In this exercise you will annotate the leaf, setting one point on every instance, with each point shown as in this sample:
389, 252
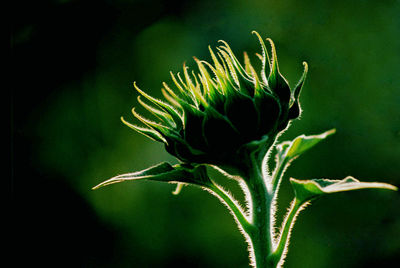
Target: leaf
302, 143
289, 150
164, 172
306, 190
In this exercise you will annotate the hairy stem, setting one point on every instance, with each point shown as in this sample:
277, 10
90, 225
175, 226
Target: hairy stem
279, 253
261, 237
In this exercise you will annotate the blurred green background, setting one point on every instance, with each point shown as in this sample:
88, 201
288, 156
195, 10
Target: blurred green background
74, 63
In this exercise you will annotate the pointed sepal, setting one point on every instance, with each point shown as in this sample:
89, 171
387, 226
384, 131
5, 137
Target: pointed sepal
295, 110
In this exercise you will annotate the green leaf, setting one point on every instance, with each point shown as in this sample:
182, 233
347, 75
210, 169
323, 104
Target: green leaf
289, 150
306, 190
302, 143
164, 172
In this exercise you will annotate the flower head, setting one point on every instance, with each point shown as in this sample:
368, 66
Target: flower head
211, 115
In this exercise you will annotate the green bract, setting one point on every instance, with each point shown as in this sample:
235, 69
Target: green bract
209, 116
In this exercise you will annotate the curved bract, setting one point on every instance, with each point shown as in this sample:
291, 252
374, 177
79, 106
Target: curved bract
210, 115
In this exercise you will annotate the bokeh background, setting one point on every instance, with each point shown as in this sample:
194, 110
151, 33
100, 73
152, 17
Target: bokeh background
74, 63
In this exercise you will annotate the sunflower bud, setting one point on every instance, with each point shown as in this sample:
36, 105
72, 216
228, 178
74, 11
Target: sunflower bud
212, 114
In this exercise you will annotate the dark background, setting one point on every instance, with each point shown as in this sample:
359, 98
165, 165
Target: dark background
73, 64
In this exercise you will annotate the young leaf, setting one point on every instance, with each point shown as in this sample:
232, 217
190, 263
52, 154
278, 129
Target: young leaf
302, 143
306, 190
289, 150
163, 172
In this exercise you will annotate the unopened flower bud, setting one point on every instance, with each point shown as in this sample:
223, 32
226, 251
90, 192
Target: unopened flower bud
212, 114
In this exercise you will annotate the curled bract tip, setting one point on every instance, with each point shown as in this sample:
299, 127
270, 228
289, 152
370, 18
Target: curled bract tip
210, 115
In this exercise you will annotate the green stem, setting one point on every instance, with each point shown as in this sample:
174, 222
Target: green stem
261, 237
287, 226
